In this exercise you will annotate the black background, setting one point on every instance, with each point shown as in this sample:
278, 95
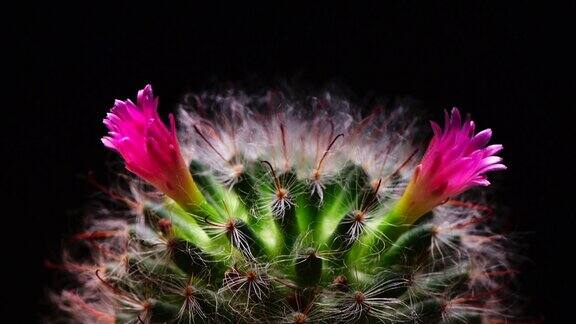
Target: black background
510, 65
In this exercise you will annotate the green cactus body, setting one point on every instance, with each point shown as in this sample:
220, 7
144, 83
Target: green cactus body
296, 191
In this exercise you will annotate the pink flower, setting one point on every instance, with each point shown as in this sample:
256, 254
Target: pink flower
455, 161
150, 150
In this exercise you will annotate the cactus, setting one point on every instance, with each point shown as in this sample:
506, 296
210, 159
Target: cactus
276, 208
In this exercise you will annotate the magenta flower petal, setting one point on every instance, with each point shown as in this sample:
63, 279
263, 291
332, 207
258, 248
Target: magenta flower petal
150, 149
455, 161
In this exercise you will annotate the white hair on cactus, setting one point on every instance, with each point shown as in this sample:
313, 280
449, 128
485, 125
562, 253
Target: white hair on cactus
314, 136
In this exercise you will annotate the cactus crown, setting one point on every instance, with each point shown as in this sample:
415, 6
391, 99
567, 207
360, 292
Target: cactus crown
296, 221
